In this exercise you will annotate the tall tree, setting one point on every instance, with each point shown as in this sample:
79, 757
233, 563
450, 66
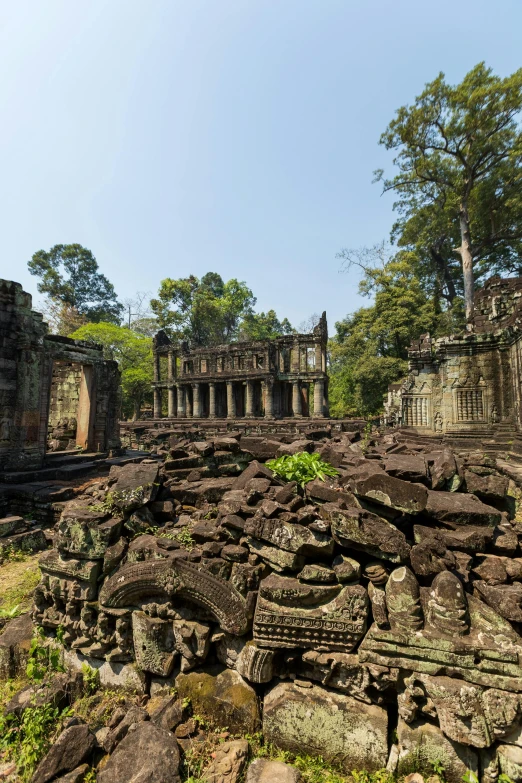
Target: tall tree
459, 155
133, 352
263, 326
370, 348
203, 312
69, 274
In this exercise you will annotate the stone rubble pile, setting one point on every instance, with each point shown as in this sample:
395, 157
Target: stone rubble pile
371, 619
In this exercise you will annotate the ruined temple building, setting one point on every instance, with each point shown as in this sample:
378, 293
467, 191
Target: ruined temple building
469, 383
284, 377
55, 393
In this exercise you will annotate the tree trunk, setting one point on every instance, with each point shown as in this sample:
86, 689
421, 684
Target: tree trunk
443, 267
467, 259
137, 409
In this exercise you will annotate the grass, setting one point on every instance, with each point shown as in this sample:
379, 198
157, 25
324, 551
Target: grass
18, 579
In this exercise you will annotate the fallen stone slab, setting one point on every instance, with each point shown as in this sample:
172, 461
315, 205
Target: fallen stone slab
72, 748
266, 771
443, 470
392, 492
457, 508
506, 600
222, 696
148, 754
228, 762
423, 745
14, 646
321, 722
136, 484
407, 467
489, 487
356, 528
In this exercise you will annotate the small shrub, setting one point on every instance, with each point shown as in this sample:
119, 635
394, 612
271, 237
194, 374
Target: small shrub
115, 502
43, 658
26, 738
302, 467
91, 678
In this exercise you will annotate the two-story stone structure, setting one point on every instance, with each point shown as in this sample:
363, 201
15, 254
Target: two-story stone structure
50, 385
470, 383
284, 377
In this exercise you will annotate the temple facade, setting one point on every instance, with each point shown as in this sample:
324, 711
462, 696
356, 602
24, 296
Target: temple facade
55, 393
284, 377
471, 382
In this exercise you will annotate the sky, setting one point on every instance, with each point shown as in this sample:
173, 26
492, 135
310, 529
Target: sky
236, 136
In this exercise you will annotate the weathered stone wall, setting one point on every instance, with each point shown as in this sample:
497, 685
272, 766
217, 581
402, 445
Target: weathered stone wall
470, 383
28, 359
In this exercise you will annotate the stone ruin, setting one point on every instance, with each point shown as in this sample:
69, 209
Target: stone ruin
468, 384
373, 619
55, 393
284, 377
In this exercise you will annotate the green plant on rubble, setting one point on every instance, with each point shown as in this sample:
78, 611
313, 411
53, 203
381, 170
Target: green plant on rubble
43, 658
302, 467
26, 738
9, 554
91, 679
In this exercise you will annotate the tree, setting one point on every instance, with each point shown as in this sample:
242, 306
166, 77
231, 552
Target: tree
203, 312
370, 348
61, 318
69, 274
138, 314
133, 352
263, 326
459, 155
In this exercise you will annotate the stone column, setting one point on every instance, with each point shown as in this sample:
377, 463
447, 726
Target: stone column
188, 403
269, 399
231, 401
319, 398
156, 367
196, 401
172, 402
157, 403
296, 399
181, 401
171, 365
249, 407
212, 400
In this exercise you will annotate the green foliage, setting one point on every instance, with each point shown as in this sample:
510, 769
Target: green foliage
470, 777
204, 312
370, 348
459, 181
380, 776
263, 326
26, 738
44, 658
91, 679
69, 274
302, 467
133, 352
10, 554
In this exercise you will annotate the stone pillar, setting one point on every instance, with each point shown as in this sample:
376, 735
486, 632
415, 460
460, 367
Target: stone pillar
188, 403
196, 401
181, 401
319, 398
172, 402
171, 365
157, 403
249, 407
296, 399
156, 367
269, 399
231, 401
212, 400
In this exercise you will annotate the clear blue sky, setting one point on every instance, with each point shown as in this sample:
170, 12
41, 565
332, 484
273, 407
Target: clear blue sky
237, 136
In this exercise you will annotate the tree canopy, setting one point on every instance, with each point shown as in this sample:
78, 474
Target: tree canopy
204, 311
459, 181
69, 274
370, 347
133, 352
263, 326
